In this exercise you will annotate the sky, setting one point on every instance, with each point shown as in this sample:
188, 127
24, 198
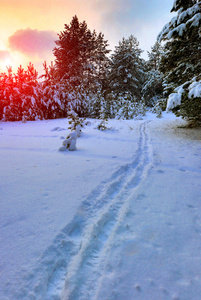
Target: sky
29, 28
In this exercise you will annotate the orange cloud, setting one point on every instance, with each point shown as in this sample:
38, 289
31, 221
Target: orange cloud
32, 42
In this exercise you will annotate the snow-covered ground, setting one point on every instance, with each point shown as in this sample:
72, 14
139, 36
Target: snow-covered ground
119, 218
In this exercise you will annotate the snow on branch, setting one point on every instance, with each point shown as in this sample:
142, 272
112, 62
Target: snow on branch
178, 25
179, 29
189, 12
195, 20
174, 100
193, 90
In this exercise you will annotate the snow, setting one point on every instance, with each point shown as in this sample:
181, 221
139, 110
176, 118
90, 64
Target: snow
70, 142
33, 101
176, 24
195, 89
179, 29
189, 12
195, 20
119, 218
174, 100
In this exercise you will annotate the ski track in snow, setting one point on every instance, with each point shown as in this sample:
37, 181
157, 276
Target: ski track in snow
79, 256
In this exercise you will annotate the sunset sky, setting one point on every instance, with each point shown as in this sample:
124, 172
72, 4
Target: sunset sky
28, 28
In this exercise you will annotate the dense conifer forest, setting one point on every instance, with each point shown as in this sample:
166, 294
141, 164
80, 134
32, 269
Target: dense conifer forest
88, 79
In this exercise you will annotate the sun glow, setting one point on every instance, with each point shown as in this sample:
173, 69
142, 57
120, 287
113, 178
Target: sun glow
4, 64
7, 62
14, 60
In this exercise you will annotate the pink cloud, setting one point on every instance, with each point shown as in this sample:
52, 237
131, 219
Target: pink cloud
32, 42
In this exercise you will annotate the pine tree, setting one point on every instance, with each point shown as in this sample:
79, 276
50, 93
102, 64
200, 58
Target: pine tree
30, 92
182, 57
54, 96
20, 95
102, 63
81, 65
181, 62
153, 86
154, 56
11, 100
73, 51
183, 4
126, 74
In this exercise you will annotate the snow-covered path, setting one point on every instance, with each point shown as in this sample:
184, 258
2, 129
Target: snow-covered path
135, 235
97, 238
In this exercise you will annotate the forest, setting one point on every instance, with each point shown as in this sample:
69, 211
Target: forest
88, 79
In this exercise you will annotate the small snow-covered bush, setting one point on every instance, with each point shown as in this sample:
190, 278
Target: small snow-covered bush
70, 142
159, 107
75, 122
130, 110
24, 117
75, 125
103, 124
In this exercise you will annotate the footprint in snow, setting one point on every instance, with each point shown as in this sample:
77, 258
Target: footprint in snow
160, 171
182, 170
58, 129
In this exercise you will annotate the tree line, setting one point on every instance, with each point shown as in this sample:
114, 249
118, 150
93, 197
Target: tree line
88, 79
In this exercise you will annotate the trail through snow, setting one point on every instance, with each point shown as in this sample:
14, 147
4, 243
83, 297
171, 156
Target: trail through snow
98, 236
137, 234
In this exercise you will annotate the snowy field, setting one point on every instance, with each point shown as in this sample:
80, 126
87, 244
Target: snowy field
117, 219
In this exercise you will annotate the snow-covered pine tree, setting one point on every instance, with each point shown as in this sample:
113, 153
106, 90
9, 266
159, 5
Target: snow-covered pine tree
54, 98
153, 89
3, 98
154, 56
102, 63
126, 77
2, 88
182, 4
30, 90
181, 62
73, 52
20, 94
130, 109
81, 64
127, 68
75, 122
10, 97
182, 56
96, 104
104, 122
